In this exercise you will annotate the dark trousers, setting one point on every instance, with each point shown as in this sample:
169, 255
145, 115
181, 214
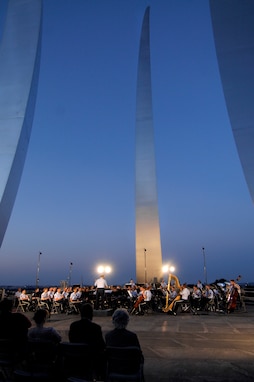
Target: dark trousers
100, 296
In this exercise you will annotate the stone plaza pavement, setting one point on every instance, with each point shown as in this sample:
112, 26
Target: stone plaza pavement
205, 347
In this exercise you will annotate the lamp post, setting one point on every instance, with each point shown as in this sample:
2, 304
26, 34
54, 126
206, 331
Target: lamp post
70, 270
145, 264
38, 270
205, 272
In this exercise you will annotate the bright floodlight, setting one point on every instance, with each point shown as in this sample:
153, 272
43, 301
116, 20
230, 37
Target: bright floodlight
165, 269
107, 269
100, 269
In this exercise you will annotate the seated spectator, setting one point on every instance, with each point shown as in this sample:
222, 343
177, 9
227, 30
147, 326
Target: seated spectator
120, 336
39, 332
14, 326
86, 331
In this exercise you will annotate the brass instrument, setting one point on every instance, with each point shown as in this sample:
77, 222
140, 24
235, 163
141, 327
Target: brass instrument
177, 285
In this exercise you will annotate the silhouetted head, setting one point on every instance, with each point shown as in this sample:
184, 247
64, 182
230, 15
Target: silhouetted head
6, 305
86, 311
120, 318
40, 316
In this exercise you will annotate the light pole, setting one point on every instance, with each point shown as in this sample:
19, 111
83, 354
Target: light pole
70, 270
145, 263
205, 272
38, 270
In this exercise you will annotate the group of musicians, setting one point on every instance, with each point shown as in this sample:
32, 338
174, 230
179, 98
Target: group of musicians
166, 297
221, 297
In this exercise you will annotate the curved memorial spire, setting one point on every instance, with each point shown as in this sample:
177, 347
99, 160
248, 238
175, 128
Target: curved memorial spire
19, 71
148, 243
233, 28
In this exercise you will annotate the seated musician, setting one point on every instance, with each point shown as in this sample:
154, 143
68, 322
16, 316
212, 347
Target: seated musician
25, 299
207, 296
147, 294
234, 293
195, 297
45, 297
183, 295
60, 299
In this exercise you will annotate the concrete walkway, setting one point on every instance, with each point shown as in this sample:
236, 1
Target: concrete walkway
206, 347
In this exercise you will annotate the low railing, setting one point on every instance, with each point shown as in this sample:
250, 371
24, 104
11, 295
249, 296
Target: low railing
248, 294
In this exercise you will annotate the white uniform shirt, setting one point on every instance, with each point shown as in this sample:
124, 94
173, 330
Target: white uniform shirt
185, 293
101, 283
147, 295
58, 296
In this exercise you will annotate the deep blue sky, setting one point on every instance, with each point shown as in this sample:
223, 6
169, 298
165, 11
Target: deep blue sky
76, 199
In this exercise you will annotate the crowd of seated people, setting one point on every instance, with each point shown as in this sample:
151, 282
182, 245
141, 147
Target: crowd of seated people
42, 352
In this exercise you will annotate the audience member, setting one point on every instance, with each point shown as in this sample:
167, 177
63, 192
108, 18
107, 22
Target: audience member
120, 336
39, 332
13, 326
86, 331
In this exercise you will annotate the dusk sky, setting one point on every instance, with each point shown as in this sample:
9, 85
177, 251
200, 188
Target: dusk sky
76, 200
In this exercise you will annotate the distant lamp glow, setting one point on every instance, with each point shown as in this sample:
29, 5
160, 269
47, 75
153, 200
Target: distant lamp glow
172, 269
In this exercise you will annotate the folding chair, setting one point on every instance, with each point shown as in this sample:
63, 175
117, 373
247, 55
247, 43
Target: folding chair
76, 360
56, 308
43, 305
40, 362
73, 307
124, 364
8, 358
23, 306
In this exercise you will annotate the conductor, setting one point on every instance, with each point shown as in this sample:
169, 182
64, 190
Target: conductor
100, 285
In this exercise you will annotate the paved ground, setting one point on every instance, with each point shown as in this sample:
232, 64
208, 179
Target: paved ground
213, 347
